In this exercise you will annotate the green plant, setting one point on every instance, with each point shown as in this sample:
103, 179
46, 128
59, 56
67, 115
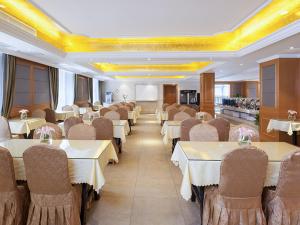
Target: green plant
257, 119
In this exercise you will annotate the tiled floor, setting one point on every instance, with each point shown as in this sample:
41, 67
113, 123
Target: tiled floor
143, 189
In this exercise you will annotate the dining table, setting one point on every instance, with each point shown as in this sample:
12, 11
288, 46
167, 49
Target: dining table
171, 131
86, 161
62, 115
25, 126
132, 117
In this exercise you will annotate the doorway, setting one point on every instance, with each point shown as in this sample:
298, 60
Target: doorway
170, 93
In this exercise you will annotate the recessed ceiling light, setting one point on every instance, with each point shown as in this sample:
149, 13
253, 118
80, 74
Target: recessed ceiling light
2, 6
148, 59
292, 47
283, 12
241, 64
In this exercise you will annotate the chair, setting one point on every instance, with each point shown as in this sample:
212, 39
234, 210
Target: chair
53, 199
222, 126
86, 116
56, 135
190, 111
283, 204
164, 106
103, 111
130, 105
237, 200
38, 113
170, 107
71, 121
82, 132
76, 110
97, 103
50, 115
186, 126
123, 113
112, 115
67, 108
113, 107
171, 113
5, 132
181, 116
204, 132
14, 199
183, 107
207, 116
234, 132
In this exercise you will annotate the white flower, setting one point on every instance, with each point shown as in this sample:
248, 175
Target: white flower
292, 112
23, 111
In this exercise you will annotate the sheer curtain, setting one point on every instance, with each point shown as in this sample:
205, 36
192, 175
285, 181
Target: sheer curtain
66, 88
95, 90
1, 79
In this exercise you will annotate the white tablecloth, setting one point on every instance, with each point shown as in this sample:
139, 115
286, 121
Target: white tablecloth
170, 130
97, 107
138, 110
83, 110
87, 159
200, 161
132, 116
18, 126
283, 125
62, 115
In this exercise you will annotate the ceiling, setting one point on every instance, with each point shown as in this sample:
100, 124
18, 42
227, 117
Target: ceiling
158, 18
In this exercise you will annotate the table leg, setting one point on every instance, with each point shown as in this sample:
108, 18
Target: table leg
294, 137
96, 196
199, 194
174, 142
84, 198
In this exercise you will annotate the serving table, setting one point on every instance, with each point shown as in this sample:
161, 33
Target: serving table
132, 116
18, 126
86, 160
62, 115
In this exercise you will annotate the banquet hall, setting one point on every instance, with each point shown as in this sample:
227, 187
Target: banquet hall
161, 112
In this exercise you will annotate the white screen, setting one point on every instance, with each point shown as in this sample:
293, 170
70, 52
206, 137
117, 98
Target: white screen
146, 92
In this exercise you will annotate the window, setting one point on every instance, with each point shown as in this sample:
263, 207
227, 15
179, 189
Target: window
82, 89
66, 88
221, 91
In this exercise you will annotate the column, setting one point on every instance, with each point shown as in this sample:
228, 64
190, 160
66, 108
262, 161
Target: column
207, 93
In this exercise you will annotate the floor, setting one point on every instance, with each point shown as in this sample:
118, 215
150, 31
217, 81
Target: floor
144, 188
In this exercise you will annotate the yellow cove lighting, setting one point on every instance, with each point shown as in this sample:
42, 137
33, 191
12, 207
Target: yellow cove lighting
149, 77
189, 67
274, 16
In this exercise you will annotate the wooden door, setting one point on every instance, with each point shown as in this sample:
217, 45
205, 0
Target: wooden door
170, 93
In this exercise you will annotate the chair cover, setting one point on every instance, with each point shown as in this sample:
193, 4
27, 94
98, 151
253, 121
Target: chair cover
103, 111
133, 104
67, 108
234, 134
97, 103
203, 132
50, 115
190, 111
113, 108
123, 113
112, 115
183, 107
207, 116
130, 105
171, 113
186, 126
86, 116
82, 131
181, 116
53, 199
14, 199
56, 135
38, 113
222, 126
170, 107
71, 121
5, 133
237, 200
283, 204
164, 106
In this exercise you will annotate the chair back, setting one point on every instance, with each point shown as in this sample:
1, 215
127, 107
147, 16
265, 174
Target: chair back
243, 173
130, 105
97, 103
186, 126
170, 107
38, 113
71, 121
103, 111
183, 107
234, 132
7, 173
171, 113
190, 111
123, 113
112, 115
113, 107
82, 131
47, 170
203, 132
67, 108
222, 126
180, 116
164, 106
289, 177
104, 128
5, 133
50, 115
56, 134
207, 116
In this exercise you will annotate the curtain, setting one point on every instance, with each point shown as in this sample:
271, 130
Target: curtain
8, 84
100, 86
53, 82
90, 86
1, 78
75, 87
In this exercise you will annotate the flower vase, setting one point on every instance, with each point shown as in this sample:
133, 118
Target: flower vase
23, 116
292, 117
244, 140
46, 138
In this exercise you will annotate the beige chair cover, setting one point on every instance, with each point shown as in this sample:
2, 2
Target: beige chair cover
123, 113
283, 204
131, 106
181, 116
183, 107
38, 113
234, 134
50, 115
186, 126
204, 132
112, 115
56, 135
207, 116
71, 121
14, 199
67, 108
237, 200
170, 107
171, 113
103, 111
5, 133
164, 106
190, 111
223, 127
53, 199
82, 131
113, 107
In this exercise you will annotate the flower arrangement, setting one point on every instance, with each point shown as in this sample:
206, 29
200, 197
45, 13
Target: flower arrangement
23, 114
292, 114
245, 135
45, 133
125, 97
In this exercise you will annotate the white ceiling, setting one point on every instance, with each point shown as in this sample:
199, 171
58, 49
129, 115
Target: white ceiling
144, 18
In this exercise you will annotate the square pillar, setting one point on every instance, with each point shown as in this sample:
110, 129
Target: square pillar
207, 93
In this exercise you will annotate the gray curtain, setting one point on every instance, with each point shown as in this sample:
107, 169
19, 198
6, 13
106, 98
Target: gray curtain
75, 87
53, 82
90, 86
100, 86
8, 84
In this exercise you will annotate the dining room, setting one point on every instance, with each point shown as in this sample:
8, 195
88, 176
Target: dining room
162, 112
